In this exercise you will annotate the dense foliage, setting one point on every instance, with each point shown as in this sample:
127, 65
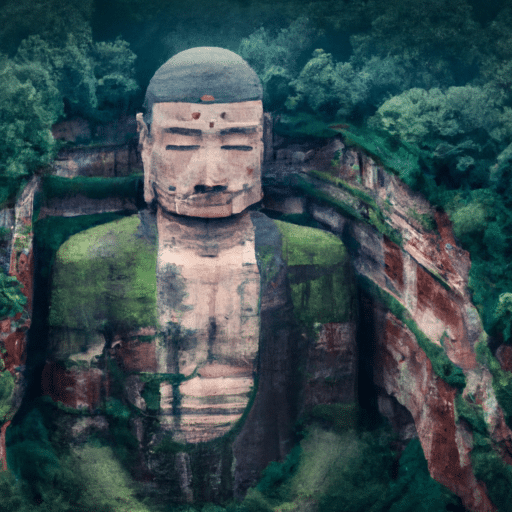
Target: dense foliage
333, 469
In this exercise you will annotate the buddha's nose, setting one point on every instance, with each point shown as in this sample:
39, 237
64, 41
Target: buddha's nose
207, 170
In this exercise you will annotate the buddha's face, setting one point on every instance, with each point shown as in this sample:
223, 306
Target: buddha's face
203, 160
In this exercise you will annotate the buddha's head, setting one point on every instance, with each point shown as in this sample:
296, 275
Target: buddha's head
202, 134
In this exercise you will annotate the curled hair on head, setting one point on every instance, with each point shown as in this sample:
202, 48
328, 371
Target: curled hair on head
203, 75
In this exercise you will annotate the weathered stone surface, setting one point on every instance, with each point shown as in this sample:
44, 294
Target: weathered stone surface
107, 161
78, 130
208, 285
427, 275
74, 387
224, 314
331, 366
405, 372
136, 350
81, 205
72, 130
425, 279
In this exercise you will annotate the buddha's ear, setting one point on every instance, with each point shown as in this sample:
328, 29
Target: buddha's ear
142, 129
146, 146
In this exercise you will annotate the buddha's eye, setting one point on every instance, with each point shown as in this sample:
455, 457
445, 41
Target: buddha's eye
237, 148
172, 147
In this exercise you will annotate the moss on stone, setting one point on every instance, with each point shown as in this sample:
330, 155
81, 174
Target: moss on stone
426, 220
356, 192
319, 272
267, 263
105, 278
471, 412
308, 246
441, 364
310, 190
375, 216
116, 409
339, 416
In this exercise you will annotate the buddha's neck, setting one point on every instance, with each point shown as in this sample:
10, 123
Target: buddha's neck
206, 237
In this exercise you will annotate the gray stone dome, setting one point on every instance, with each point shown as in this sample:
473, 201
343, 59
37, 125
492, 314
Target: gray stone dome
203, 72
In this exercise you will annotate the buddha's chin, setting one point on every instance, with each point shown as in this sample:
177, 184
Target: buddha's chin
211, 204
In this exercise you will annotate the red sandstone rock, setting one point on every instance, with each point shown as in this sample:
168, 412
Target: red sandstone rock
74, 387
394, 265
331, 366
504, 357
405, 372
3, 453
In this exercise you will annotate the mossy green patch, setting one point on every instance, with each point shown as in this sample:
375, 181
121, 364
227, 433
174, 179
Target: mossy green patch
472, 412
116, 409
308, 246
309, 189
319, 272
370, 212
489, 467
105, 278
399, 157
426, 220
357, 192
340, 416
268, 265
51, 232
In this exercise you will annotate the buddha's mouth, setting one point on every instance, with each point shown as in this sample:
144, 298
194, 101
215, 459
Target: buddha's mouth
207, 196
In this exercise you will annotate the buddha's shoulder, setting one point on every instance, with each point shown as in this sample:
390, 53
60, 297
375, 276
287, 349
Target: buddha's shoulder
112, 240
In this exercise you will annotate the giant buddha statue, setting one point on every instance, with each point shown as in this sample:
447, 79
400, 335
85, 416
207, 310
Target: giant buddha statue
189, 323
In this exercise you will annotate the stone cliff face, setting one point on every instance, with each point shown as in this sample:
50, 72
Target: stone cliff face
414, 279
422, 333
13, 331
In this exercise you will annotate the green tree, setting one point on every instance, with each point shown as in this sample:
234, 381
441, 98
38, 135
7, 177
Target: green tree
277, 59
462, 129
94, 80
29, 105
503, 316
329, 88
53, 20
440, 36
